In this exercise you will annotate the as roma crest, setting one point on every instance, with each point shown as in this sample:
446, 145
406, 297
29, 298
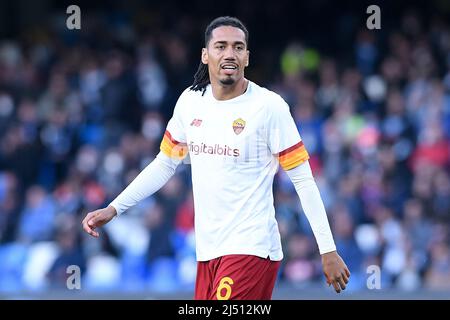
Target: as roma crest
238, 125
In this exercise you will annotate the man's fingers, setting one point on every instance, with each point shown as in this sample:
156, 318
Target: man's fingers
341, 282
89, 224
336, 286
347, 272
86, 228
335, 271
93, 233
344, 276
93, 220
89, 230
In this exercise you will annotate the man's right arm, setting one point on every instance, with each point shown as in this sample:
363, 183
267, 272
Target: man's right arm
173, 150
150, 180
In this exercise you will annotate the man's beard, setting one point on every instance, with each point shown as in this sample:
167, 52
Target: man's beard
227, 81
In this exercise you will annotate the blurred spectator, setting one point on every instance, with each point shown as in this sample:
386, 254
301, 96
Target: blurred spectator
9, 206
70, 253
37, 218
438, 275
343, 232
299, 268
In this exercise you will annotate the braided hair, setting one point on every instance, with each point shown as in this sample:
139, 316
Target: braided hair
201, 77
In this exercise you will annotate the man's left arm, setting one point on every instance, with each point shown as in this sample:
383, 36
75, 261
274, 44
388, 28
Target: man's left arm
334, 268
284, 141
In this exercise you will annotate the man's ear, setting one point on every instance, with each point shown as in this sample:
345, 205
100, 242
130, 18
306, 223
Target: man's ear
248, 58
204, 56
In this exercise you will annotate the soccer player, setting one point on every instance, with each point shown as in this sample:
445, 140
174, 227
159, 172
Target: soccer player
236, 135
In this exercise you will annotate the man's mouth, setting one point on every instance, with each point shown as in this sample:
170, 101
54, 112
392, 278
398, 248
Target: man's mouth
229, 68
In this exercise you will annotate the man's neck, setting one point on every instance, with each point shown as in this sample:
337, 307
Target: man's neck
221, 92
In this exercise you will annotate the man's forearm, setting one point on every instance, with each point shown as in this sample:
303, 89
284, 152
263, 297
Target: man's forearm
150, 180
312, 205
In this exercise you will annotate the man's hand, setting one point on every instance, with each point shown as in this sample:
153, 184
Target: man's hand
97, 219
335, 270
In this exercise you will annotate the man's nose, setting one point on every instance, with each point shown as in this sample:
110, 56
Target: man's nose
229, 53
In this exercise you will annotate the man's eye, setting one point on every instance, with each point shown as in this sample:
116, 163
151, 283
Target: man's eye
239, 48
220, 47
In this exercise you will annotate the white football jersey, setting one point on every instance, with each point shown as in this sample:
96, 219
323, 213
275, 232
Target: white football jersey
234, 147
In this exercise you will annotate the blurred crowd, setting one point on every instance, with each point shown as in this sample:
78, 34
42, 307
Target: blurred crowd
81, 114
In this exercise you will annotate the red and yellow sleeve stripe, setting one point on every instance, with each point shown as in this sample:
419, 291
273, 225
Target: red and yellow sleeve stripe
172, 148
293, 156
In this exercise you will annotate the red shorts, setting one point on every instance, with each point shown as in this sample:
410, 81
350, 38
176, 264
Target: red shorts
237, 277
